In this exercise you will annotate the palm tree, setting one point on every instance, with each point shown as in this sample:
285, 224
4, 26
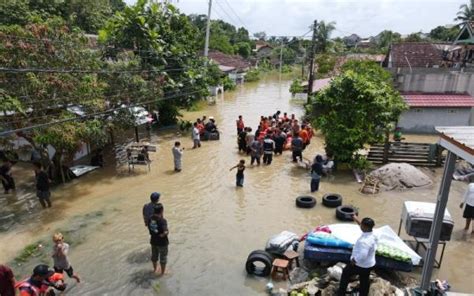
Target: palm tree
323, 34
466, 12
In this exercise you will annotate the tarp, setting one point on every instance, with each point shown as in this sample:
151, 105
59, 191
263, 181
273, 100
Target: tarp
385, 235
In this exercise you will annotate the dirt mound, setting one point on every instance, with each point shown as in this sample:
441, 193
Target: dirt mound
399, 176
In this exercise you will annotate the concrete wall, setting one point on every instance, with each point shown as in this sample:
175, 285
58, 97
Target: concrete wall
434, 80
423, 120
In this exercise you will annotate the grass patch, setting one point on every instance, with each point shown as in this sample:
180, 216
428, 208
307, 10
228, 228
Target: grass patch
156, 288
31, 250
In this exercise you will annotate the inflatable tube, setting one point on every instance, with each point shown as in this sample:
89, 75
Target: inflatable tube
327, 240
260, 257
305, 202
332, 200
345, 213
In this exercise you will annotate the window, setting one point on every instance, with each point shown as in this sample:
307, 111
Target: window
452, 111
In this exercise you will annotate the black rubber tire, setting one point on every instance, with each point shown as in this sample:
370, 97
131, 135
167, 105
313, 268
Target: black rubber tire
344, 213
332, 200
305, 201
259, 256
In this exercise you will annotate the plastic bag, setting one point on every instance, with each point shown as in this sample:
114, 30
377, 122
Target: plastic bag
279, 243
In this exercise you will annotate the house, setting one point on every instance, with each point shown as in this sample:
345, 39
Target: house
263, 49
366, 43
352, 40
466, 35
429, 55
427, 110
232, 65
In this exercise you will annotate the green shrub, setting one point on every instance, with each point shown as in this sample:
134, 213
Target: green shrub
252, 75
296, 87
228, 84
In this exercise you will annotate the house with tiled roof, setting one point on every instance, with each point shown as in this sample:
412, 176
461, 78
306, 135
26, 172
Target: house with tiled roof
233, 65
427, 110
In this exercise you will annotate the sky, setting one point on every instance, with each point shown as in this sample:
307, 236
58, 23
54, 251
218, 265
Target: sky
294, 17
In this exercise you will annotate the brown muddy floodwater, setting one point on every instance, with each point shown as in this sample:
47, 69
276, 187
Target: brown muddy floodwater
213, 225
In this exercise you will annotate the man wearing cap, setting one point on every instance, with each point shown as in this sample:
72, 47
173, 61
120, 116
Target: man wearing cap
38, 283
362, 258
148, 209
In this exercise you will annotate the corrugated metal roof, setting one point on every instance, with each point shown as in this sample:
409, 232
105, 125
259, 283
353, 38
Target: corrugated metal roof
439, 100
459, 140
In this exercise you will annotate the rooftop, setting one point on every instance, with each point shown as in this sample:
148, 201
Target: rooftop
459, 140
415, 100
229, 61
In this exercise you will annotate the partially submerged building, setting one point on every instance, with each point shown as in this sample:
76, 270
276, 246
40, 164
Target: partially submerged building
436, 81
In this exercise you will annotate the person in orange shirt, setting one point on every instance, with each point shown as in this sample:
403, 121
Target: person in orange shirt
37, 284
304, 136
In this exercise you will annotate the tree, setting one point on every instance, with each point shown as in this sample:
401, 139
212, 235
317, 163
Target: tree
117, 5
443, 33
387, 37
323, 35
413, 37
88, 15
260, 35
356, 109
164, 42
243, 49
36, 98
466, 12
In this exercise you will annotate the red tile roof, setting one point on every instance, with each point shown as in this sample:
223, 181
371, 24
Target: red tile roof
438, 100
227, 60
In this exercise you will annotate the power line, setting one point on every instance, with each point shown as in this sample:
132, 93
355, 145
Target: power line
56, 70
243, 24
228, 15
4, 133
71, 44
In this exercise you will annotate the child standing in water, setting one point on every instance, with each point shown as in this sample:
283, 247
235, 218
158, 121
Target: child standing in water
61, 262
240, 173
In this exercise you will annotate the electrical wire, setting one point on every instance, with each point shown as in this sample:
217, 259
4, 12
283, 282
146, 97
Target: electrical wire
56, 70
4, 133
233, 11
228, 15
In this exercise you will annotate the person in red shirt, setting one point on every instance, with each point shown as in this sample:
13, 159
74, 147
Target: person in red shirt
7, 281
240, 125
200, 126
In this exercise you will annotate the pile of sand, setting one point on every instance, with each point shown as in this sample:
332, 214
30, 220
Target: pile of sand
399, 176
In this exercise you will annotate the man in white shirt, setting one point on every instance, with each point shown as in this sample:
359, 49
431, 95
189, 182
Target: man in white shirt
362, 258
196, 136
177, 155
468, 202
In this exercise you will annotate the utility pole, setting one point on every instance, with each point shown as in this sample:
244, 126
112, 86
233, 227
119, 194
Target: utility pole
311, 60
208, 27
281, 55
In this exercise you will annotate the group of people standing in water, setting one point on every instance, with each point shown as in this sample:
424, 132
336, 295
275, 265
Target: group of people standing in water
274, 134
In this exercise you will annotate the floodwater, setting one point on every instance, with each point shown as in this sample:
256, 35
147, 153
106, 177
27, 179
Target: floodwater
213, 225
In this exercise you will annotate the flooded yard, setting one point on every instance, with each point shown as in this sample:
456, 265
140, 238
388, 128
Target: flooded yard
213, 225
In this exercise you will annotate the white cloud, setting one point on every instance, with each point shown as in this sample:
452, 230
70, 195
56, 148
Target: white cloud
363, 17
